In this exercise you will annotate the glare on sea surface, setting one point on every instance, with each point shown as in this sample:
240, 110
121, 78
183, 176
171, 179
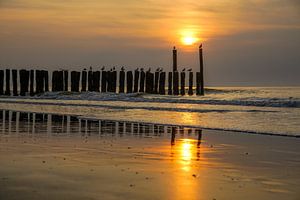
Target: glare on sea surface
186, 150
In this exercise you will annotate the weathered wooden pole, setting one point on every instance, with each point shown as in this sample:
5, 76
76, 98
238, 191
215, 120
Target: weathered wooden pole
148, 82
38, 81
104, 81
96, 81
136, 80
190, 92
46, 80
176, 83
23, 81
90, 80
142, 81
162, 83
15, 81
122, 81
174, 59
1, 82
109, 80
31, 86
83, 80
129, 81
182, 83
66, 80
201, 70
42, 81
75, 78
170, 83
114, 81
156, 79
60, 81
7, 82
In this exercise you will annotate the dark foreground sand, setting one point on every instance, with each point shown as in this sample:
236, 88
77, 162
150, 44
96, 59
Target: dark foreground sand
225, 165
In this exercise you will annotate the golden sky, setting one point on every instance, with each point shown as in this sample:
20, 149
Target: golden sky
103, 27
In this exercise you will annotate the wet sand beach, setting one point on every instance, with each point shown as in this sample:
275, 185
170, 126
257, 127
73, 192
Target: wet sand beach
62, 157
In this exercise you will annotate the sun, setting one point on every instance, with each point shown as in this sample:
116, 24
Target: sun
189, 40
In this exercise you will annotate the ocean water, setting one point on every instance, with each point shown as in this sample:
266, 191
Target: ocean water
273, 111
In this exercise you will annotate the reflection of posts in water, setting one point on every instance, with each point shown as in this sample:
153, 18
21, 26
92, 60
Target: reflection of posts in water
173, 136
199, 133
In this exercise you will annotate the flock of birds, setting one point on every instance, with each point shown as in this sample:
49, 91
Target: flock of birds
141, 69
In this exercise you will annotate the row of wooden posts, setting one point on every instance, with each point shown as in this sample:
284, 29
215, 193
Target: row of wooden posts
99, 81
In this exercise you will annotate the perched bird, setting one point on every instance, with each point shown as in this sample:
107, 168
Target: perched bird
122, 68
149, 70
183, 69
103, 68
142, 69
161, 69
157, 70
137, 69
91, 68
189, 70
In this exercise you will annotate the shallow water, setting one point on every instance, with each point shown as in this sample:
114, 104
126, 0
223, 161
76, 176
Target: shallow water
51, 156
257, 110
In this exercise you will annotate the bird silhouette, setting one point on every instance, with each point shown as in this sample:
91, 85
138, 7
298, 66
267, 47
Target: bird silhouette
114, 68
142, 69
122, 68
149, 70
157, 70
137, 69
183, 69
91, 68
103, 68
189, 70
200, 46
161, 69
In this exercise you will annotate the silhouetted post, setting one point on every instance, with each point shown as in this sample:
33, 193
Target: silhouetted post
182, 83
174, 59
156, 79
15, 81
151, 86
104, 81
7, 82
176, 83
142, 81
122, 81
38, 81
90, 80
60, 81
83, 80
96, 81
1, 82
190, 92
23, 81
170, 83
201, 78
31, 87
129, 81
136, 80
66, 80
46, 80
162, 83
149, 82
109, 81
75, 78
114, 81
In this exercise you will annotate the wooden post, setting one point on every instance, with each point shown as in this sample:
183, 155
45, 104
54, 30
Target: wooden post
66, 80
90, 80
96, 81
201, 78
122, 81
198, 83
104, 81
190, 92
136, 80
1, 81
75, 78
23, 82
174, 59
176, 83
15, 81
7, 82
129, 81
83, 80
38, 81
182, 83
142, 81
109, 81
46, 79
151, 86
162, 83
148, 82
156, 79
114, 81
60, 81
170, 83
31, 92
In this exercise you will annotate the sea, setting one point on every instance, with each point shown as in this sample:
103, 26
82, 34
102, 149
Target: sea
251, 110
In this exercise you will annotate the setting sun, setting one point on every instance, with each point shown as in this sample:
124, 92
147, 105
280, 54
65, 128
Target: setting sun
189, 40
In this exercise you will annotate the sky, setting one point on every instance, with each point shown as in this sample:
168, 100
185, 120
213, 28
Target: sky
245, 42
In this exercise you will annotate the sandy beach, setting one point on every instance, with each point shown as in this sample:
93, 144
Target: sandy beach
125, 161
